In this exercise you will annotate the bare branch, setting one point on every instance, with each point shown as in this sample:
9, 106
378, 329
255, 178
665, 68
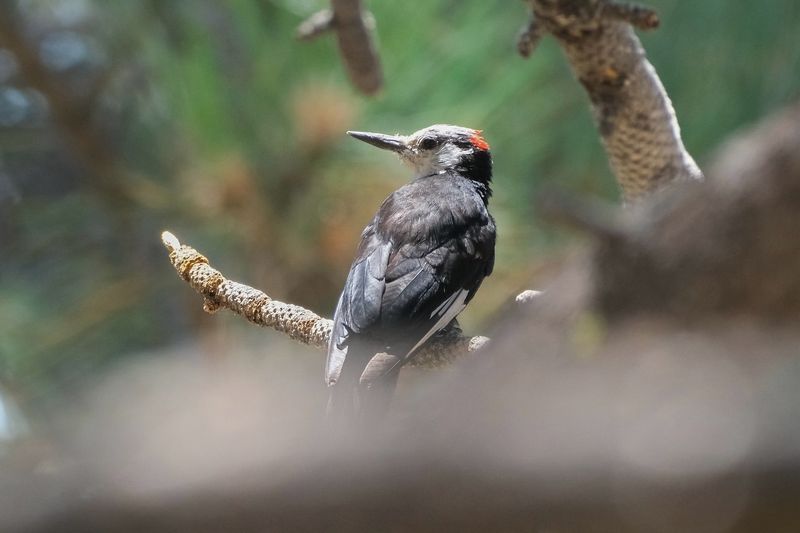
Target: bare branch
297, 322
354, 28
634, 115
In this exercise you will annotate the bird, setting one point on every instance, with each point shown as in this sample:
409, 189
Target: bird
418, 264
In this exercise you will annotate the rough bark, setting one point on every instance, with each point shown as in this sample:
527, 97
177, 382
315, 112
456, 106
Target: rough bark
634, 115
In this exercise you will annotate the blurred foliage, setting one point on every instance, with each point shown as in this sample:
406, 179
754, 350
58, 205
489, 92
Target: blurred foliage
208, 118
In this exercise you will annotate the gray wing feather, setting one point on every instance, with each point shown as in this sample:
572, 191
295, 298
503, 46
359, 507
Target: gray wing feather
359, 305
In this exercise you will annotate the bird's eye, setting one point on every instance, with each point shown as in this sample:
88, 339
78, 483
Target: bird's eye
428, 143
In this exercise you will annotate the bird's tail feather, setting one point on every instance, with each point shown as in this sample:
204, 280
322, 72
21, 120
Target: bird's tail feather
365, 397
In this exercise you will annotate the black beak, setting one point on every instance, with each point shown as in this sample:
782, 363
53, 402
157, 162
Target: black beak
395, 143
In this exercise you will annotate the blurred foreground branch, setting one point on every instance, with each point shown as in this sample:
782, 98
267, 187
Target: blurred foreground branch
723, 247
298, 323
660, 426
634, 115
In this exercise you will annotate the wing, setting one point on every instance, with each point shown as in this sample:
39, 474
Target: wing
359, 305
401, 298
424, 294
412, 275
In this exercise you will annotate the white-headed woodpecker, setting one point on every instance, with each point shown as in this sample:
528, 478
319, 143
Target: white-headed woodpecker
420, 261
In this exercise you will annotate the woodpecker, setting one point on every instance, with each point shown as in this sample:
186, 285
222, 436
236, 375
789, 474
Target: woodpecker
419, 262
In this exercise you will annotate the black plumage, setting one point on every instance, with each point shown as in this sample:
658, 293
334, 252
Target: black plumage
420, 261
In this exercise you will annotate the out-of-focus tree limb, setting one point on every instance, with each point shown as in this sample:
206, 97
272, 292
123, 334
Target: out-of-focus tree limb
73, 118
354, 33
725, 246
297, 322
634, 115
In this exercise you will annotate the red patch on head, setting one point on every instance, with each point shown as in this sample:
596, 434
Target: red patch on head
478, 141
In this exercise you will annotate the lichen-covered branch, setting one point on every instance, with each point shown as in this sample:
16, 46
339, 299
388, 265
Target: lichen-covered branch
297, 322
354, 33
634, 115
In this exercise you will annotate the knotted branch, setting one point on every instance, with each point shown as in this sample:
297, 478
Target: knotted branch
297, 322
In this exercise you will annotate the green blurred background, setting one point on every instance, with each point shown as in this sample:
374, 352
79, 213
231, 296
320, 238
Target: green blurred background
206, 117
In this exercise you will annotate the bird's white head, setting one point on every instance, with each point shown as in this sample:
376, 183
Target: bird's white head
437, 149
